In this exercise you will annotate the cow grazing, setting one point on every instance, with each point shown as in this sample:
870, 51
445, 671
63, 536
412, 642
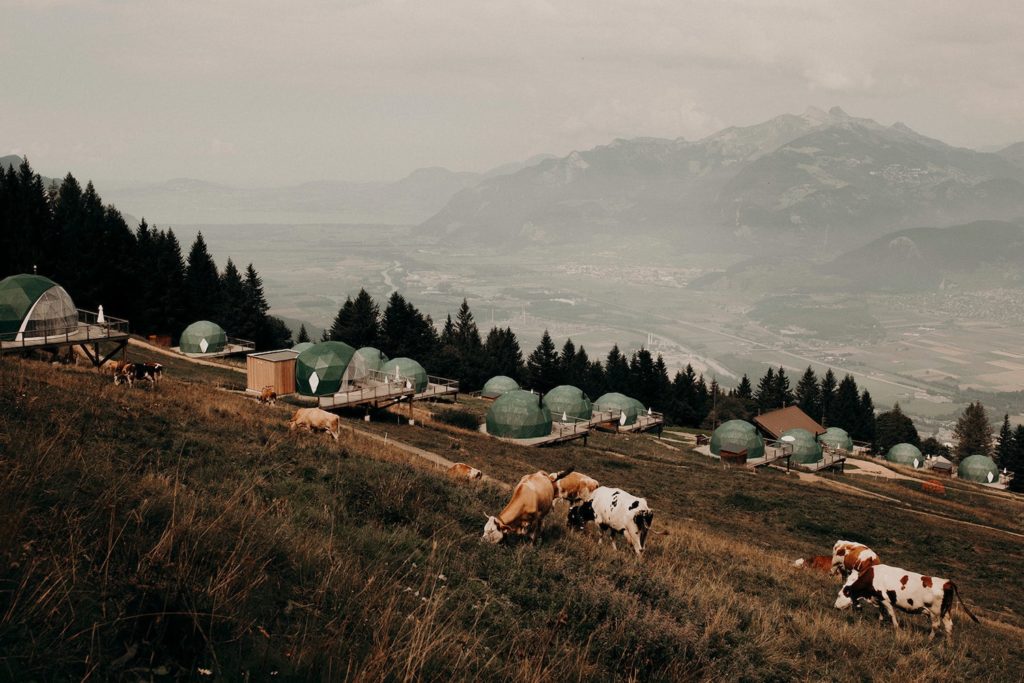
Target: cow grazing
268, 396
892, 587
524, 514
575, 488
616, 511
822, 563
461, 470
850, 556
316, 420
138, 372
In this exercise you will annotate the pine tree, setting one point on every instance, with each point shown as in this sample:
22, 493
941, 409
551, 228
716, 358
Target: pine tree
1016, 464
358, 322
807, 395
202, 283
782, 395
867, 429
973, 433
765, 394
303, 337
684, 394
827, 396
744, 389
503, 354
1004, 450
895, 427
542, 366
254, 309
467, 336
846, 406
405, 332
232, 300
616, 371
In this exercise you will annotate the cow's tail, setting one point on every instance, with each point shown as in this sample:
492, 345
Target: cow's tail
562, 475
964, 604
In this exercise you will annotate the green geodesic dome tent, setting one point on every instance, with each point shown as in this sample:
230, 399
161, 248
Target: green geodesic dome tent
836, 437
33, 306
905, 454
569, 401
806, 449
203, 337
618, 403
979, 468
408, 368
641, 409
366, 360
498, 385
518, 414
323, 369
302, 346
737, 436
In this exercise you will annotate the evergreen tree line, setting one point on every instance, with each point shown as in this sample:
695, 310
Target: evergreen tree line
832, 402
67, 234
460, 351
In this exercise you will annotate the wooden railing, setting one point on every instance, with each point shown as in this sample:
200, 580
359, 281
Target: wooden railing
89, 329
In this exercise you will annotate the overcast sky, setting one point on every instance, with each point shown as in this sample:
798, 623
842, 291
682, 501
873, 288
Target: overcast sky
272, 92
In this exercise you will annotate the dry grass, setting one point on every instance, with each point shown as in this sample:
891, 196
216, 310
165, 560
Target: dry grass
159, 532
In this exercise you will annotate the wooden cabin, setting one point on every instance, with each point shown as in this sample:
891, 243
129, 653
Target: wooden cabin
274, 369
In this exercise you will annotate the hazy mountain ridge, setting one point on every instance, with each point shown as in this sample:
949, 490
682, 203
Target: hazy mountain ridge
929, 258
784, 179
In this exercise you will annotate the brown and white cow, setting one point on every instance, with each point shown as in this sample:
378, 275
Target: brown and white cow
850, 556
316, 420
524, 514
892, 587
138, 372
268, 396
822, 563
575, 487
461, 470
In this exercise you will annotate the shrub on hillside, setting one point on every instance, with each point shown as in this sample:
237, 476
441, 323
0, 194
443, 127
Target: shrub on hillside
463, 419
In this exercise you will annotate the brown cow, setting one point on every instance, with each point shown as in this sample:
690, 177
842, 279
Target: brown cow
461, 470
822, 563
268, 396
524, 514
574, 488
850, 556
314, 420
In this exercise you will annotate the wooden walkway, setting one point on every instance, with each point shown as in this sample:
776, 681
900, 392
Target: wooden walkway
89, 334
375, 392
233, 347
561, 432
438, 387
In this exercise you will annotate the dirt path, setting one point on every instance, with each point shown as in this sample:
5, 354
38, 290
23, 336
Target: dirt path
873, 469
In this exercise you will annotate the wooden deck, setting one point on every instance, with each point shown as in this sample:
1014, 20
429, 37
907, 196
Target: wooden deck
233, 347
644, 423
561, 432
438, 387
377, 390
90, 333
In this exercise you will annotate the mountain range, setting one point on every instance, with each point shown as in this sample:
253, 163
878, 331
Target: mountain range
403, 202
817, 176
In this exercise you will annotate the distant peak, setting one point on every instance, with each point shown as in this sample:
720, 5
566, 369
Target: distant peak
814, 114
838, 113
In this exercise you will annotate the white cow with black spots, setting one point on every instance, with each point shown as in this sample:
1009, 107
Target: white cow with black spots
616, 511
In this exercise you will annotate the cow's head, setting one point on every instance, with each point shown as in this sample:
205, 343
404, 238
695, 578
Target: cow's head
845, 598
643, 518
474, 473
495, 530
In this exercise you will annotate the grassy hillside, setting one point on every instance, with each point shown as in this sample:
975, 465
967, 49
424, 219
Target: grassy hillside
151, 534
